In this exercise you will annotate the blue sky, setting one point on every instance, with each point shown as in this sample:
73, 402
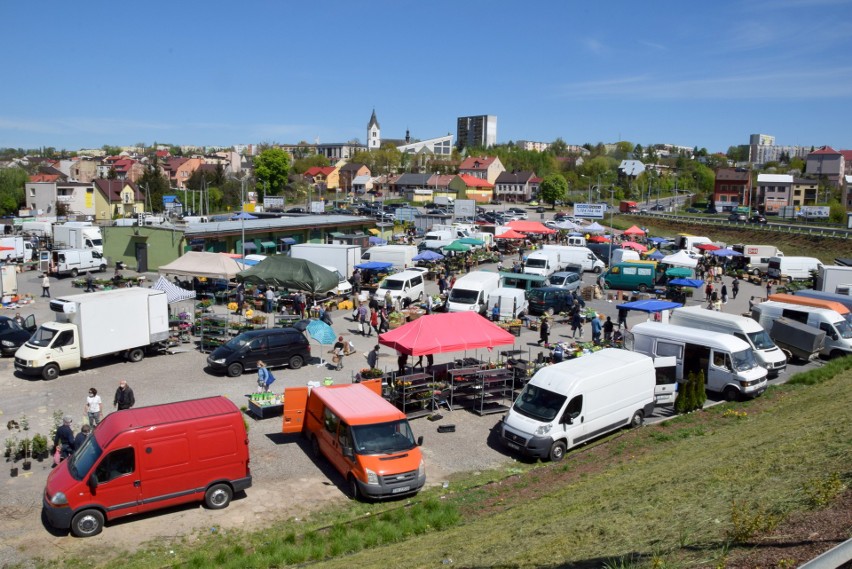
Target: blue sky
707, 74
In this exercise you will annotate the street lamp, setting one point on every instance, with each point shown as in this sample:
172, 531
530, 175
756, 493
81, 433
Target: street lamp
243, 217
611, 228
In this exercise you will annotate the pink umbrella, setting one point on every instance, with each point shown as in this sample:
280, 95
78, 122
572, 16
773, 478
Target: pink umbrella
635, 246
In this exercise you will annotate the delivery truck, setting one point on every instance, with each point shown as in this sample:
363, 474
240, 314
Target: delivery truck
72, 262
78, 235
628, 207
16, 249
830, 277
126, 321
400, 256
365, 438
582, 256
342, 257
148, 458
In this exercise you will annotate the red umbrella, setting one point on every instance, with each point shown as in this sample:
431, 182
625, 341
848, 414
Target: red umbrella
707, 247
448, 332
511, 234
597, 239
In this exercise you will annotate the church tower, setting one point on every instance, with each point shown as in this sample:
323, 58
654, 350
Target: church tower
374, 133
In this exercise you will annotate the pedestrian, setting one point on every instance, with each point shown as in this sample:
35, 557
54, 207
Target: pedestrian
608, 327
735, 287
363, 318
93, 407
712, 300
383, 320
596, 329
45, 286
708, 290
264, 378
724, 293
64, 438
576, 323
751, 303
270, 300
82, 436
402, 363
241, 298
324, 315
622, 318
356, 281
374, 322
373, 358
768, 289
442, 285
544, 331
124, 398
495, 313
388, 301
90, 283
19, 320
429, 302
339, 350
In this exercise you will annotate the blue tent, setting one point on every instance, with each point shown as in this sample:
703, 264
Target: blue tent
377, 241
374, 266
649, 305
427, 255
243, 215
658, 240
656, 256
694, 283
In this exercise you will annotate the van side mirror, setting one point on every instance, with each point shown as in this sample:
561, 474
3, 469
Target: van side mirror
420, 441
92, 482
348, 453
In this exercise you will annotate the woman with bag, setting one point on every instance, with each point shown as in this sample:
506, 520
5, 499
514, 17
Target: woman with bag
264, 378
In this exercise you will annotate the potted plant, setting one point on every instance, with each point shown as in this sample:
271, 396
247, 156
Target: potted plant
40, 447
25, 451
11, 444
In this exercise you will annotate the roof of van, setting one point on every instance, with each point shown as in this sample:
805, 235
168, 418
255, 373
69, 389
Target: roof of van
120, 421
561, 377
748, 324
478, 277
408, 273
705, 337
810, 301
831, 315
357, 404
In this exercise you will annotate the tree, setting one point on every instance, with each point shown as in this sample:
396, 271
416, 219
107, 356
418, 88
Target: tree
12, 182
699, 393
156, 185
553, 188
558, 147
836, 212
272, 167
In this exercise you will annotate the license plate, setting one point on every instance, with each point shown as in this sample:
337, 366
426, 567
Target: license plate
400, 489
513, 446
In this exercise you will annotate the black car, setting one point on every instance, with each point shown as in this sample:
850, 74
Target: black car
757, 218
539, 209
693, 210
296, 210
273, 346
14, 335
658, 207
737, 217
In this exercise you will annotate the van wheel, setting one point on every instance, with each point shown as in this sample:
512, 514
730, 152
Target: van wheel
102, 269
74, 273
136, 355
87, 523
235, 370
354, 490
642, 288
315, 450
598, 270
296, 362
731, 393
50, 372
756, 272
218, 496
557, 451
638, 420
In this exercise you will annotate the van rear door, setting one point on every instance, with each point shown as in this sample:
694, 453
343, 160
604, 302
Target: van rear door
295, 405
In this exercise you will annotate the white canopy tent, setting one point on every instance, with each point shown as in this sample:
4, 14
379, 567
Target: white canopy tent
201, 264
680, 259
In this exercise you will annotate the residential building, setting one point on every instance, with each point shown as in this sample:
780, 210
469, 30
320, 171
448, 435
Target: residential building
804, 191
732, 188
486, 168
532, 145
410, 181
349, 172
44, 198
117, 198
516, 186
469, 187
826, 162
773, 192
323, 177
476, 131
179, 169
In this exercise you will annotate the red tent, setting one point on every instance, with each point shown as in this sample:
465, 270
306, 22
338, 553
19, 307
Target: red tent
633, 245
707, 247
511, 234
598, 239
448, 332
530, 227
634, 231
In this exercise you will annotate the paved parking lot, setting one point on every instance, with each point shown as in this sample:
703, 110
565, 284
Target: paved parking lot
286, 478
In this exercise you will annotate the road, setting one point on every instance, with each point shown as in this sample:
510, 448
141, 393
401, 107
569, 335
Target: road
287, 482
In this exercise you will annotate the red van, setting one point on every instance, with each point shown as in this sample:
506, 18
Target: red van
368, 440
144, 459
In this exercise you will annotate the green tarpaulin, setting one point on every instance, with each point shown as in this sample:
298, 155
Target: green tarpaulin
293, 274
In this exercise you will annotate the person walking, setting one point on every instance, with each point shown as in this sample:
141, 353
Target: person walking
270, 300
64, 438
339, 350
356, 281
124, 398
363, 318
708, 290
373, 357
544, 331
768, 289
724, 293
264, 378
93, 407
82, 436
576, 323
45, 286
442, 285
622, 318
735, 287
374, 322
596, 329
388, 301
608, 328
90, 283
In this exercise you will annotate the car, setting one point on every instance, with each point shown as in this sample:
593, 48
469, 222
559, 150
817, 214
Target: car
737, 217
539, 209
274, 346
496, 202
384, 216
14, 335
693, 210
658, 207
296, 210
757, 218
643, 210
480, 210
534, 203
568, 280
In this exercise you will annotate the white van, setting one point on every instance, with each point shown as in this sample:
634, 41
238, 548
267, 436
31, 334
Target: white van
767, 353
343, 288
792, 268
688, 242
512, 303
407, 284
74, 261
582, 256
543, 263
472, 291
624, 255
572, 402
838, 333
728, 363
400, 256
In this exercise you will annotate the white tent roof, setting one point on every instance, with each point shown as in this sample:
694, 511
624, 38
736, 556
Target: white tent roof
174, 293
680, 259
200, 264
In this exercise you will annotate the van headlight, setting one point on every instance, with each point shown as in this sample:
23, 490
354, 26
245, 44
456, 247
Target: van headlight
7, 344
750, 383
372, 477
59, 499
220, 361
544, 429
421, 470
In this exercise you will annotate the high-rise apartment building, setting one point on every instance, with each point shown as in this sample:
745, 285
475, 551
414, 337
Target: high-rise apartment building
479, 131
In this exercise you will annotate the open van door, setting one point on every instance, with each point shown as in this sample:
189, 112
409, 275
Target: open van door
295, 407
30, 323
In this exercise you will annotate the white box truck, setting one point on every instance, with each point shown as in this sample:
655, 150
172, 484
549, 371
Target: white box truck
573, 402
78, 235
582, 256
830, 277
792, 268
838, 333
400, 256
16, 249
124, 321
543, 263
341, 257
767, 353
754, 259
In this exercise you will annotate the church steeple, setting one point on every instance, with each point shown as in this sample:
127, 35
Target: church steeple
374, 133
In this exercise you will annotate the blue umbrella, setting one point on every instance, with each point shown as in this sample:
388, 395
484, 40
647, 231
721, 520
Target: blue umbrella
322, 333
427, 255
377, 241
656, 256
243, 215
694, 283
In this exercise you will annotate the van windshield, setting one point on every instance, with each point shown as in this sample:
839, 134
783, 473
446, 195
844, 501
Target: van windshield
744, 360
761, 340
463, 296
383, 438
843, 329
538, 403
238, 342
391, 284
43, 337
84, 458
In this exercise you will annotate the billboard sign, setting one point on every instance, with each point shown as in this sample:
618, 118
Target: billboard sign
317, 207
465, 208
814, 211
271, 203
590, 210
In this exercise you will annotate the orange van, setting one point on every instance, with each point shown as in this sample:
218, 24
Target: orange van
147, 458
815, 302
368, 440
